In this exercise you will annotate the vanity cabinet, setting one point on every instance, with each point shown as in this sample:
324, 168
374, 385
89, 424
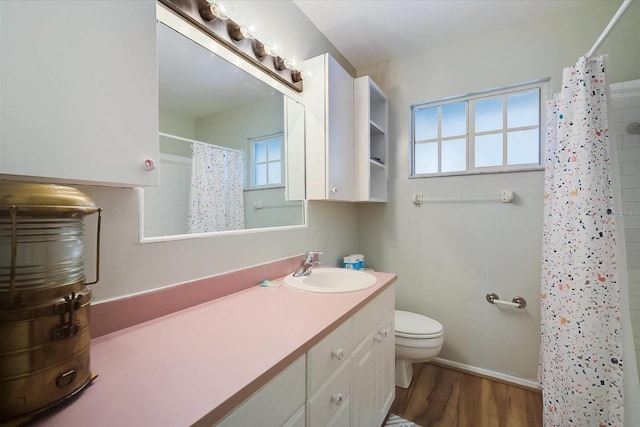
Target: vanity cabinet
347, 379
328, 99
79, 91
352, 370
371, 141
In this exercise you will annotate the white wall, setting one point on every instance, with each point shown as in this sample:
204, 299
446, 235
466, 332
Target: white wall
128, 267
449, 255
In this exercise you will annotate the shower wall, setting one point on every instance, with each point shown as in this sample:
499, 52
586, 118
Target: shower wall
625, 107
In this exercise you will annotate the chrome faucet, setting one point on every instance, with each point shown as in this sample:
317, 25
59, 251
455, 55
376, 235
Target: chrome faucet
308, 261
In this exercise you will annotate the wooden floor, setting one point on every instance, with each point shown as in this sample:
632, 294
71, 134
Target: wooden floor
441, 397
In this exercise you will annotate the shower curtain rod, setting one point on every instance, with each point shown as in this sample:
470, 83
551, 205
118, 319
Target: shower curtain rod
179, 138
623, 7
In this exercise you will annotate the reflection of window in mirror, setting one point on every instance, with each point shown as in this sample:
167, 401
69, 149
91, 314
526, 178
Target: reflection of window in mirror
266, 161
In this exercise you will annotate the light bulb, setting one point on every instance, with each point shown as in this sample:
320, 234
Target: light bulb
237, 32
251, 32
213, 11
260, 49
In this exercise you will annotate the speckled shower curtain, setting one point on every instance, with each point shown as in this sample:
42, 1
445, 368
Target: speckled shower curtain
581, 366
216, 200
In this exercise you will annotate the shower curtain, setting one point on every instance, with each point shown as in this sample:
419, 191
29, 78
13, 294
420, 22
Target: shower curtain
216, 200
581, 354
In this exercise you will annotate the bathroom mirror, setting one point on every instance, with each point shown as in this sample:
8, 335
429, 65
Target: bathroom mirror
226, 146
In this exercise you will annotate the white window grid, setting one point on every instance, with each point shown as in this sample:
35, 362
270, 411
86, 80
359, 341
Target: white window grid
543, 87
253, 162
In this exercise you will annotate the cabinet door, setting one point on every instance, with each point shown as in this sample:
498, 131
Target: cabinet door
340, 133
363, 384
373, 361
384, 355
79, 91
328, 98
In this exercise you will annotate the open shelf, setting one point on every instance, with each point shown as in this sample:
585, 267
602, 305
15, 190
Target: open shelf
371, 141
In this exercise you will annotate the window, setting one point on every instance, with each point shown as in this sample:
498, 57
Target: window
492, 131
266, 161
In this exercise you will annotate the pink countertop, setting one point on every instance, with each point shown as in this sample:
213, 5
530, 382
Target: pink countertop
194, 366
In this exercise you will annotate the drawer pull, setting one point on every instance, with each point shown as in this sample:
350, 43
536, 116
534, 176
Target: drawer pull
337, 398
338, 353
378, 338
384, 332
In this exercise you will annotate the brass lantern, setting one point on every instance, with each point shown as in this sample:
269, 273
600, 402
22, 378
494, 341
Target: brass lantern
44, 298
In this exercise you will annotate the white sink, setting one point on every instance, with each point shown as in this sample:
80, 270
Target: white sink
332, 280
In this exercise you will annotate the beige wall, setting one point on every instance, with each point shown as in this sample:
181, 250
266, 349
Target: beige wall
449, 255
128, 267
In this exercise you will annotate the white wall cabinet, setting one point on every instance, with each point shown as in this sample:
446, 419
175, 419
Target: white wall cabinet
346, 134
328, 99
79, 91
371, 141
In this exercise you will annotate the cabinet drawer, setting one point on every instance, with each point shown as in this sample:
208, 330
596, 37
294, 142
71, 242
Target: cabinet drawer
330, 397
342, 418
297, 420
274, 403
373, 313
327, 355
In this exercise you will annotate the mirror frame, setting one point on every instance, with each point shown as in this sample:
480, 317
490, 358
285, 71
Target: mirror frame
178, 24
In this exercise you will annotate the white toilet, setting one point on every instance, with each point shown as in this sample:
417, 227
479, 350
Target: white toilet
418, 339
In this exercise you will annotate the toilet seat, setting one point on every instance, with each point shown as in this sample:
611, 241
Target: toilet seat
416, 326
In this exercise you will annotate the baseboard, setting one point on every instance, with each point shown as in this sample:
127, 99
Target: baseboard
485, 373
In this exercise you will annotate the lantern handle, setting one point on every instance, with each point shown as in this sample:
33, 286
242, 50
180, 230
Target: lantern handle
14, 249
97, 249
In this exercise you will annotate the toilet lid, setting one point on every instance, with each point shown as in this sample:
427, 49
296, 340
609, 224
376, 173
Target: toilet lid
414, 325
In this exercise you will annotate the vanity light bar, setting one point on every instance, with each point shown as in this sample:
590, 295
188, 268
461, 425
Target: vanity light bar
211, 19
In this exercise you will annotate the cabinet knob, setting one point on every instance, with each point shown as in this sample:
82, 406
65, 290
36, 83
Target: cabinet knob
337, 398
334, 189
384, 332
338, 353
378, 338
150, 165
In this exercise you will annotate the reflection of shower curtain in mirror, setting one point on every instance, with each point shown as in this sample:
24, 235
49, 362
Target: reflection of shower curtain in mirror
216, 201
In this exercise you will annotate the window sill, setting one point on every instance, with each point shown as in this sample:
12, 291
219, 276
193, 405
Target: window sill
480, 172
266, 187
